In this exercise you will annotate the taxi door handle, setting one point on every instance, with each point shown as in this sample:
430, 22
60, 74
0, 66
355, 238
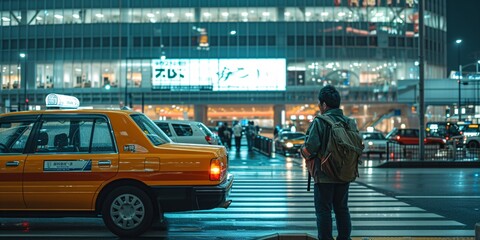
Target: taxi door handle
12, 163
104, 163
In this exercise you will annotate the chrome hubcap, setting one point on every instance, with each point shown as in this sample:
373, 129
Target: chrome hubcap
127, 211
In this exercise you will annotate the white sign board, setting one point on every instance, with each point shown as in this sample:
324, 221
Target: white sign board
219, 74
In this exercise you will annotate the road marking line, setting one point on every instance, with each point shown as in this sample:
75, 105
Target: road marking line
437, 196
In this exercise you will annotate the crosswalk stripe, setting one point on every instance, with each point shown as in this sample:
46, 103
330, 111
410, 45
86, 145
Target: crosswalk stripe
311, 216
312, 223
257, 201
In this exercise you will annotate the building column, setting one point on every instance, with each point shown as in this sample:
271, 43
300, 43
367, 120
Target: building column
200, 113
278, 113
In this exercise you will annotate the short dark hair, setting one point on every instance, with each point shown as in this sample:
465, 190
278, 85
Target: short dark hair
330, 96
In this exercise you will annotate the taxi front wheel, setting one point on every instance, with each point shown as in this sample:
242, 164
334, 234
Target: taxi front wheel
128, 211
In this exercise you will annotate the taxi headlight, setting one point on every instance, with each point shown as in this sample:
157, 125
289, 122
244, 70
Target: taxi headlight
370, 143
289, 145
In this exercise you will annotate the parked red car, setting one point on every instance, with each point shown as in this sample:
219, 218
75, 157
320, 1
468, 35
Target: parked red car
410, 136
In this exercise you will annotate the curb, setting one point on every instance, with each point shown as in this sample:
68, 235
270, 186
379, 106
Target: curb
430, 164
287, 236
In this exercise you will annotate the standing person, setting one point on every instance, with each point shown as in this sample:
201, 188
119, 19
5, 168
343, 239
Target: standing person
251, 134
221, 133
227, 135
237, 132
328, 192
276, 131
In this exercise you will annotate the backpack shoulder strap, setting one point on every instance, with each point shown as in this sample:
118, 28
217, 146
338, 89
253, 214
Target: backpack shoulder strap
326, 119
325, 136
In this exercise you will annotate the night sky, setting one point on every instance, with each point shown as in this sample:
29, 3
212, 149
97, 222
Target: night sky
463, 21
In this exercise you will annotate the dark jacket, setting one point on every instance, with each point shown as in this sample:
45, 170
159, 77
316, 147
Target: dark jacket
315, 142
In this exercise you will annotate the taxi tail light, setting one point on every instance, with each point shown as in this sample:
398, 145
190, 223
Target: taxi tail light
216, 170
209, 139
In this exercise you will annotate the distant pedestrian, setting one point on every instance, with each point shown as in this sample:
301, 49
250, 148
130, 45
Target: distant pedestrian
221, 131
251, 135
276, 131
227, 135
237, 133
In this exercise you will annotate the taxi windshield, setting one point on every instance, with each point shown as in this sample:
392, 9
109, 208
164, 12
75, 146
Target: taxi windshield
294, 136
151, 130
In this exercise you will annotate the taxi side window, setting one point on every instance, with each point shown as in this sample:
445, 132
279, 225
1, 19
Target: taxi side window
55, 136
14, 136
102, 140
182, 129
165, 128
74, 135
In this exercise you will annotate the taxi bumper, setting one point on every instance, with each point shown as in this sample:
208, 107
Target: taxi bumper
185, 198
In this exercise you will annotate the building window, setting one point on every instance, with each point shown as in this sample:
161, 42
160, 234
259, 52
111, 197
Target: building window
338, 41
290, 40
106, 42
58, 42
49, 43
392, 42
97, 42
68, 43
361, 41
272, 40
147, 42
87, 42
13, 44
44, 78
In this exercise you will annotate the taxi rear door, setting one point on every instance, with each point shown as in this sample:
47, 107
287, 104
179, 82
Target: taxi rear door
66, 173
14, 134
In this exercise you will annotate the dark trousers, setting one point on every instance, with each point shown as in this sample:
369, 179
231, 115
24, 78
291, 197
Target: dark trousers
238, 142
328, 196
228, 141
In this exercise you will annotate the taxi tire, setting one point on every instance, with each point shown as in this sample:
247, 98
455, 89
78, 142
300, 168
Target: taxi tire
140, 197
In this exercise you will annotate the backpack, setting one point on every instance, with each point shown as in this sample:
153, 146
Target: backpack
342, 153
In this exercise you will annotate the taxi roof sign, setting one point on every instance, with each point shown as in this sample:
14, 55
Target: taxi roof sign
57, 101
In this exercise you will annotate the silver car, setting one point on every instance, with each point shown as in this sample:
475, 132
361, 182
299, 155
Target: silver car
183, 131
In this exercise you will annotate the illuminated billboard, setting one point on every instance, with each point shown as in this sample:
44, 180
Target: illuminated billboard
219, 74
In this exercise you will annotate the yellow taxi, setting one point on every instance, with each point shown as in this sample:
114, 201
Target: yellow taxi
116, 164
288, 142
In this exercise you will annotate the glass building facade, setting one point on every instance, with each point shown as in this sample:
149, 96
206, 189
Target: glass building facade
153, 52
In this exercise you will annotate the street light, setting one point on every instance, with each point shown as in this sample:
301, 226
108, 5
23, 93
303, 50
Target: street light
476, 63
458, 42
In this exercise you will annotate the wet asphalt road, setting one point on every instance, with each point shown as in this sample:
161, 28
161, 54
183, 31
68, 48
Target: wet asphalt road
270, 197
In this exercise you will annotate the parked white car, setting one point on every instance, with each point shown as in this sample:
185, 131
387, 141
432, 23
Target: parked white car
471, 141
183, 131
374, 142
